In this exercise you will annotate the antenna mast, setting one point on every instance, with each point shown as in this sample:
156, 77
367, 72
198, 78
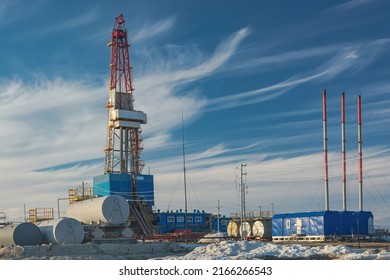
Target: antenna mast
242, 196
184, 174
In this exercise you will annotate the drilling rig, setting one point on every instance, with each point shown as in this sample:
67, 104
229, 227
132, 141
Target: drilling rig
123, 165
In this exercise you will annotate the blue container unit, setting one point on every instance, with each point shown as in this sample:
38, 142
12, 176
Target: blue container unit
308, 224
121, 184
321, 225
365, 223
223, 222
168, 222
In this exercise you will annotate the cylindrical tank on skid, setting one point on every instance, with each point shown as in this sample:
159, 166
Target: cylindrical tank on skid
23, 234
245, 230
262, 229
112, 209
62, 231
232, 229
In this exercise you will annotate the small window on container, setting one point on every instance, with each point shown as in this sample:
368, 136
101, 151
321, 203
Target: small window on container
170, 219
190, 219
288, 224
223, 222
180, 219
198, 219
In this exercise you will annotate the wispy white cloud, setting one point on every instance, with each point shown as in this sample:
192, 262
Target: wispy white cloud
152, 30
222, 54
355, 57
351, 5
281, 60
84, 18
165, 86
5, 8
42, 117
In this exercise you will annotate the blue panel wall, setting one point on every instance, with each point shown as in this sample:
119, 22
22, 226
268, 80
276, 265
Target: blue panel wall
277, 225
296, 224
223, 222
121, 184
331, 224
112, 184
366, 222
306, 223
168, 222
348, 223
327, 223
356, 222
145, 188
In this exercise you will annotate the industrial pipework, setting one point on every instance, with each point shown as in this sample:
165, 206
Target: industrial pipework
343, 155
360, 154
326, 179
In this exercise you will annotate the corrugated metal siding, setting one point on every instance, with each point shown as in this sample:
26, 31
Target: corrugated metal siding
277, 225
331, 224
112, 184
121, 184
223, 222
366, 222
348, 223
306, 223
145, 188
327, 223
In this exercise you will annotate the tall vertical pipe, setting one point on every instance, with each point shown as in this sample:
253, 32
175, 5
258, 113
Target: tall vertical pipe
360, 154
343, 155
121, 141
326, 179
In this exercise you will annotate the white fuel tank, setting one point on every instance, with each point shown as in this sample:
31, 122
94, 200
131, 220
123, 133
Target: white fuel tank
23, 234
245, 230
232, 229
112, 209
62, 231
262, 229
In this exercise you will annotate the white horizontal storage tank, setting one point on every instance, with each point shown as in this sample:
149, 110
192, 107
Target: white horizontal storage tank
23, 234
262, 229
232, 229
245, 230
63, 231
112, 209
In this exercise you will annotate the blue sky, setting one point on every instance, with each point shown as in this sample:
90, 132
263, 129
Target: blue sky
248, 79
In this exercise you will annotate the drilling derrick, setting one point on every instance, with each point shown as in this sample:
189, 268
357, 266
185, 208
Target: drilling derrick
123, 166
124, 141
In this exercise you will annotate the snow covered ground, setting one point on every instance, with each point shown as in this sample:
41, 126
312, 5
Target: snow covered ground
249, 250
90, 251
223, 250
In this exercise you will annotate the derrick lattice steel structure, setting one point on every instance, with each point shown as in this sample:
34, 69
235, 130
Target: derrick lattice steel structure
124, 141
123, 165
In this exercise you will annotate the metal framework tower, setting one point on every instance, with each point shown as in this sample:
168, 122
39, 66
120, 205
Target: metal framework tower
124, 141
